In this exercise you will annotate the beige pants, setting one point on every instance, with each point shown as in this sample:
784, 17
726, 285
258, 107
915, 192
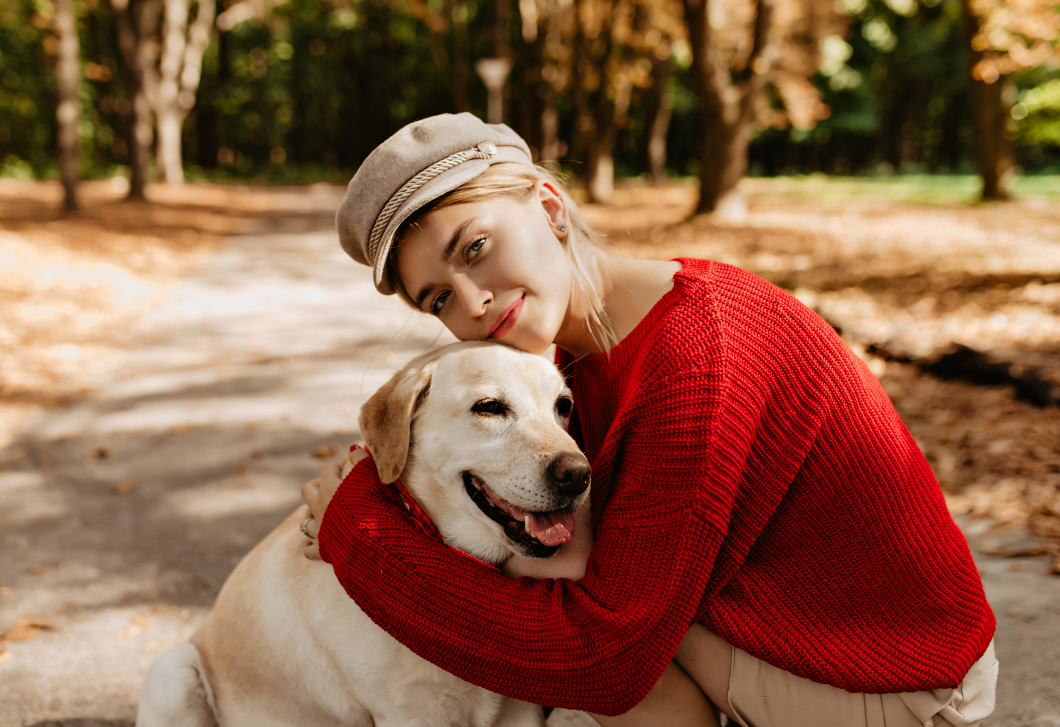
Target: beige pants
764, 696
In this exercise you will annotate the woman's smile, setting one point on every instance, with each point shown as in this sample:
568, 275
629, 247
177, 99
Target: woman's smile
507, 319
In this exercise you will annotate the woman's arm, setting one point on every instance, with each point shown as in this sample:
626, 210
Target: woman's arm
678, 699
598, 644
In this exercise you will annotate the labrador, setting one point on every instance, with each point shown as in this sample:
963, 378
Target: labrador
476, 432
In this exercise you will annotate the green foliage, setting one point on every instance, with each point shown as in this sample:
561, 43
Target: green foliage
307, 91
912, 188
1038, 109
27, 91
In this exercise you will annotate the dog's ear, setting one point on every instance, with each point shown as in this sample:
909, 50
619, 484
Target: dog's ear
386, 418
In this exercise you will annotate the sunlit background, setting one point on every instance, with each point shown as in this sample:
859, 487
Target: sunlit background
182, 342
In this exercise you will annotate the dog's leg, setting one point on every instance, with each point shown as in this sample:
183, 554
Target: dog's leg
177, 692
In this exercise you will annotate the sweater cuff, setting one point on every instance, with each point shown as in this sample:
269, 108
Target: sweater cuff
362, 482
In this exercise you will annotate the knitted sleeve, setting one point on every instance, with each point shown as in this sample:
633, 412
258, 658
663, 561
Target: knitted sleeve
598, 644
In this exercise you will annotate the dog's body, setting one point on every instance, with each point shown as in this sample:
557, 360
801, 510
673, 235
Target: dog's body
285, 645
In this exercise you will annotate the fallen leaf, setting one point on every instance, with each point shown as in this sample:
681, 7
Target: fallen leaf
45, 461
139, 625
5, 655
181, 428
161, 608
240, 467
286, 416
28, 627
124, 488
36, 569
257, 454
4, 591
326, 450
101, 453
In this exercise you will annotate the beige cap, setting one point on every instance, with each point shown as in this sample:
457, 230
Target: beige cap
415, 166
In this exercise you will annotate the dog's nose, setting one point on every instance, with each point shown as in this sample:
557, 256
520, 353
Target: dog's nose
570, 473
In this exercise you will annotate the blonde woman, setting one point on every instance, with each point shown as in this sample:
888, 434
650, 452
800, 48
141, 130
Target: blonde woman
770, 542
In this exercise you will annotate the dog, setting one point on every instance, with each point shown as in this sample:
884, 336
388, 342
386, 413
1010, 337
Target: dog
476, 432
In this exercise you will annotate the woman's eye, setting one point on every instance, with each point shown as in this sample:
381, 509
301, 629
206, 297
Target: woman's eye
474, 248
439, 302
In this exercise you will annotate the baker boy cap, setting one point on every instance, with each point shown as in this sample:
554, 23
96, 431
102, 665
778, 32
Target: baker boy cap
412, 168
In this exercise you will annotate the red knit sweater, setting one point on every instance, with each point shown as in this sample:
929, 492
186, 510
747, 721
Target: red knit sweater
749, 474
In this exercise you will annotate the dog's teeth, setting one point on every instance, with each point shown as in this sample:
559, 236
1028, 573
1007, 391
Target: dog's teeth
526, 525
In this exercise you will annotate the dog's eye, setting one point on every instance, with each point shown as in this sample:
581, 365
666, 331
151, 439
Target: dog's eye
491, 407
563, 406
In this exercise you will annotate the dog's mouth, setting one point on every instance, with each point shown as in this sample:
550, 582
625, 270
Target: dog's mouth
539, 533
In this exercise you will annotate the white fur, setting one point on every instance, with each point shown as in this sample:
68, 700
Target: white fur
284, 645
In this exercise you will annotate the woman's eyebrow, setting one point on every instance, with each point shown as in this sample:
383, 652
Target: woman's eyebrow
455, 240
422, 295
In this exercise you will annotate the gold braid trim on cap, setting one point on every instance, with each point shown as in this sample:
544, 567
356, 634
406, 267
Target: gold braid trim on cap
485, 150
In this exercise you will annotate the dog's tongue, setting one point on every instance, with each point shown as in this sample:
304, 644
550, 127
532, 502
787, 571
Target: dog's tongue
552, 528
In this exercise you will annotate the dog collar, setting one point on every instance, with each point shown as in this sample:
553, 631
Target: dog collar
420, 518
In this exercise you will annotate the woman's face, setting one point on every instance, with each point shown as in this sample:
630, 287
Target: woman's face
493, 270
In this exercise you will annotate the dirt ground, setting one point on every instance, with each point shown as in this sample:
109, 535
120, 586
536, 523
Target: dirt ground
172, 372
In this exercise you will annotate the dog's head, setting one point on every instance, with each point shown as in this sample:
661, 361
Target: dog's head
477, 434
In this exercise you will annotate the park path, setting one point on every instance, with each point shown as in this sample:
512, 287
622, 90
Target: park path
122, 514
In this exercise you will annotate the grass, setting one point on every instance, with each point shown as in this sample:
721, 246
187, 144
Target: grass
913, 188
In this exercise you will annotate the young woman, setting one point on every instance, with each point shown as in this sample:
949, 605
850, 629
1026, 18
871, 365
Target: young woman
769, 538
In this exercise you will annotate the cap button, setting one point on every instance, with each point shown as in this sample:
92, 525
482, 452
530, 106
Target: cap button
487, 147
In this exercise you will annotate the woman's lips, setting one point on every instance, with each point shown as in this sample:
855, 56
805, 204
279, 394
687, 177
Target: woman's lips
507, 319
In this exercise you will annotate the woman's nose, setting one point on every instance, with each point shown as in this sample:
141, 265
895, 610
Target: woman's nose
473, 299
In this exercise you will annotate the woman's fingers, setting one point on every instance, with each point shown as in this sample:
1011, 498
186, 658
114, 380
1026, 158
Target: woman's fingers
318, 492
310, 491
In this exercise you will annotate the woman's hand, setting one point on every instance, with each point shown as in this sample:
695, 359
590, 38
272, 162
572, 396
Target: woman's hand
569, 562
318, 492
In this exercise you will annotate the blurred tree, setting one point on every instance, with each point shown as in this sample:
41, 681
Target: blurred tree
136, 41
658, 107
739, 48
1003, 37
173, 89
542, 74
68, 109
456, 72
611, 66
293, 91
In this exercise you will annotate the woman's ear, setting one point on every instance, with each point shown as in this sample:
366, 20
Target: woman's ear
555, 209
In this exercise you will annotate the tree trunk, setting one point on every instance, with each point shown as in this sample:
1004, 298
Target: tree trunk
601, 177
534, 92
68, 111
991, 112
136, 42
657, 110
180, 69
461, 57
603, 113
725, 108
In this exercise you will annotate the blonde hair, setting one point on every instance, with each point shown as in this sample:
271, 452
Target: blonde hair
583, 245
